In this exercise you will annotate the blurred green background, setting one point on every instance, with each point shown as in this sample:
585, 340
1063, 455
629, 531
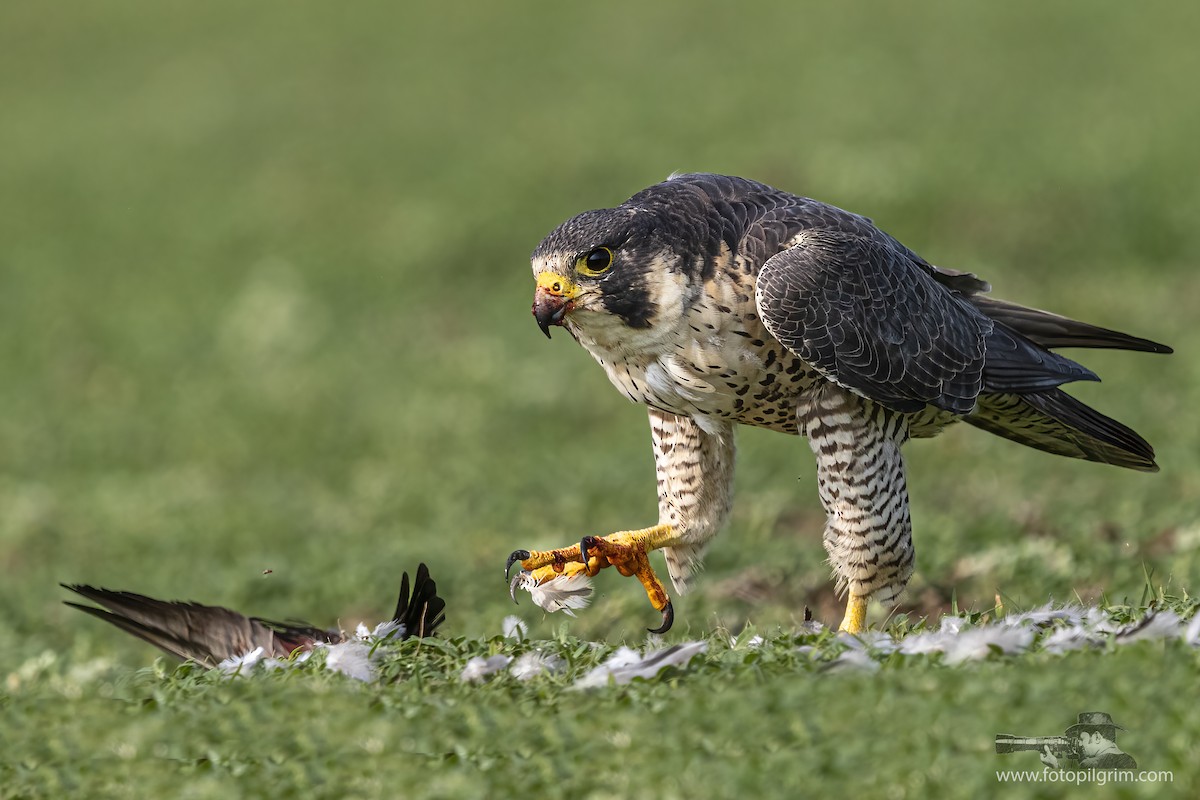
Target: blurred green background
264, 291
264, 287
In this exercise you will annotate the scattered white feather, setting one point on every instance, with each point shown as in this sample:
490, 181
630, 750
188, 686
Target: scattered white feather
1192, 634
854, 659
382, 631
1155, 625
1099, 621
622, 658
1044, 615
392, 629
352, 658
560, 593
812, 626
925, 642
625, 665
479, 667
1055, 630
753, 643
515, 628
877, 641
966, 645
979, 643
531, 665
240, 665
1062, 640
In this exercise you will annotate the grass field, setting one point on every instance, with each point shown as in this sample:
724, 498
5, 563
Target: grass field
264, 293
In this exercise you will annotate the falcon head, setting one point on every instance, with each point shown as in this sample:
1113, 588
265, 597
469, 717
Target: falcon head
623, 278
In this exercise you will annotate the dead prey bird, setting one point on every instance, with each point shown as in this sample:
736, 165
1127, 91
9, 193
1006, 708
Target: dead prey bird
211, 634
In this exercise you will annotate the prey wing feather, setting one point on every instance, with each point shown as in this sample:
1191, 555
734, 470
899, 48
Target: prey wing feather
864, 314
170, 643
211, 634
423, 611
207, 634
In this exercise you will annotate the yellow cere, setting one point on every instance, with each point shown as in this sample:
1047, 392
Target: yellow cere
557, 285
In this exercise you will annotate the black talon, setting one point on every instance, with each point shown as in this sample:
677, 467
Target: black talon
584, 543
668, 619
514, 557
512, 587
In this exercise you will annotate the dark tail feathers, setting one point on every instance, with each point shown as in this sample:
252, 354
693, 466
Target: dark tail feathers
1051, 330
1057, 423
1019, 402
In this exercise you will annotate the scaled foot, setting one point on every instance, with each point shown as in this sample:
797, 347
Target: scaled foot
547, 574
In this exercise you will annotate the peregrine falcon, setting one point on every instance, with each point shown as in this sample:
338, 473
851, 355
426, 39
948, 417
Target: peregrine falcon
717, 301
209, 635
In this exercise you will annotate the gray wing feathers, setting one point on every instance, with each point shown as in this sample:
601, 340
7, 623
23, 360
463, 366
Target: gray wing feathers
866, 318
1016, 364
872, 317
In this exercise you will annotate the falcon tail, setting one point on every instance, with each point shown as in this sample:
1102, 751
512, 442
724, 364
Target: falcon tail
1051, 330
1040, 416
1057, 423
211, 634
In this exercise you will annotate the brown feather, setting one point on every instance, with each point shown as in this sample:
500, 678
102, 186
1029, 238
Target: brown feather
212, 634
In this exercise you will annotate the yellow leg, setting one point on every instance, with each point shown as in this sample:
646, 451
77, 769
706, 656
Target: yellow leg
628, 552
855, 620
625, 550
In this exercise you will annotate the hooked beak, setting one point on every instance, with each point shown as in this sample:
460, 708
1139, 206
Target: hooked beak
553, 298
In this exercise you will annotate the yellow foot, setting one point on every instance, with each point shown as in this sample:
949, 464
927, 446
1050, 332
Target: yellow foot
855, 620
627, 551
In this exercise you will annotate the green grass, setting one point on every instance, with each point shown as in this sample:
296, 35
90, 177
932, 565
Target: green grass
264, 291
779, 718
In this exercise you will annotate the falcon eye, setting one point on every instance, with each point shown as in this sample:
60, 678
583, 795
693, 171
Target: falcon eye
595, 262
